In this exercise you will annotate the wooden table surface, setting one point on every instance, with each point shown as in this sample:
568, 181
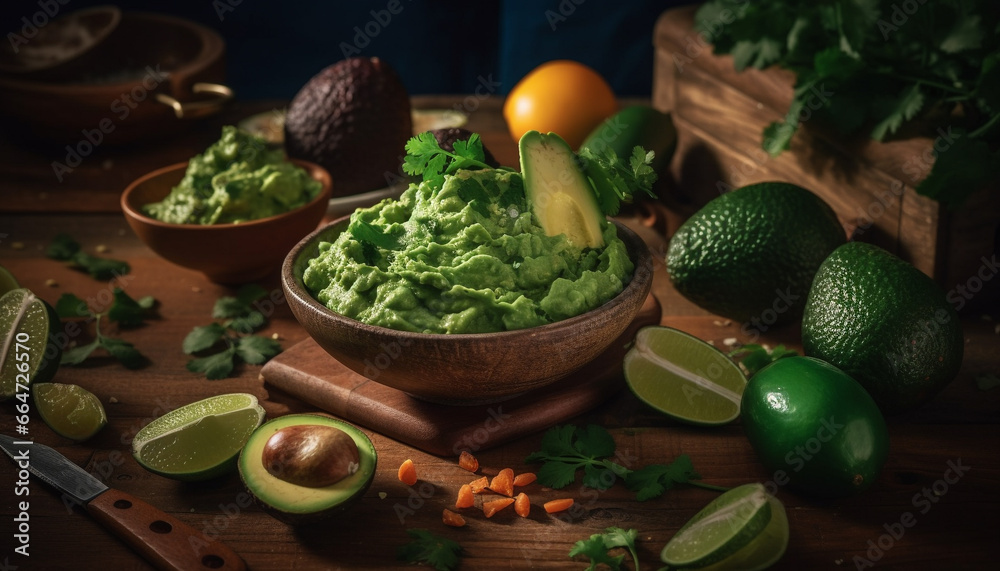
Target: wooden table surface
956, 526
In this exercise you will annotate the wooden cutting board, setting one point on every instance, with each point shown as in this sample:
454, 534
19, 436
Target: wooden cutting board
307, 372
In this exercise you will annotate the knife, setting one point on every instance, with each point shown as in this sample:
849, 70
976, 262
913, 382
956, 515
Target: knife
162, 539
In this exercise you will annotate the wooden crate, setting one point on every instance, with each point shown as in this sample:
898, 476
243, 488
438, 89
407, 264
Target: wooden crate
720, 116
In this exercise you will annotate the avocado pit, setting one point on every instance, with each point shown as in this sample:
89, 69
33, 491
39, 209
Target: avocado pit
310, 455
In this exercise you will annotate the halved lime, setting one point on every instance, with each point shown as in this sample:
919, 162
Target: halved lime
7, 281
720, 529
764, 550
201, 440
70, 410
29, 352
684, 377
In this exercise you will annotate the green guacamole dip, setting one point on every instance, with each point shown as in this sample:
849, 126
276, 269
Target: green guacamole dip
467, 258
237, 179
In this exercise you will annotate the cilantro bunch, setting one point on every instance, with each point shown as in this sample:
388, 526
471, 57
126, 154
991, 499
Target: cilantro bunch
614, 180
596, 548
867, 67
232, 336
426, 158
567, 448
124, 311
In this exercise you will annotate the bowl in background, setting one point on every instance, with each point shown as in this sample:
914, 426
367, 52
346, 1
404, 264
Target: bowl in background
225, 253
464, 369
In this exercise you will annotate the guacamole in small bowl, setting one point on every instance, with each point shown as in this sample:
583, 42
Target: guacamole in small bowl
467, 257
237, 179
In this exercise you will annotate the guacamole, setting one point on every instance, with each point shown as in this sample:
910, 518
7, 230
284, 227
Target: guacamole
465, 258
235, 180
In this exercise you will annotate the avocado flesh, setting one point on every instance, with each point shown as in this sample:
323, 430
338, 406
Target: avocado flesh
291, 502
557, 192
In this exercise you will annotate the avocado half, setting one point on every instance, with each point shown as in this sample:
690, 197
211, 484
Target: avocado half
295, 504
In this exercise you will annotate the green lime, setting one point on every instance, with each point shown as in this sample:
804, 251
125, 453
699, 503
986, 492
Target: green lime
762, 551
198, 441
7, 281
70, 410
683, 376
29, 353
721, 529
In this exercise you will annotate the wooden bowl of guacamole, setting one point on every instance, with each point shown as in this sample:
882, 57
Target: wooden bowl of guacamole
465, 368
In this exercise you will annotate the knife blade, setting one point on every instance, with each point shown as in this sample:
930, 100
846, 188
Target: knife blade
165, 541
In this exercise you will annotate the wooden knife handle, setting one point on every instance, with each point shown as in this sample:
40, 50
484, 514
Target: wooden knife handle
162, 539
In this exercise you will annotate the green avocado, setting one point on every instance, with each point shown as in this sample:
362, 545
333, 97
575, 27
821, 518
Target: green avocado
294, 503
751, 254
557, 192
814, 428
885, 323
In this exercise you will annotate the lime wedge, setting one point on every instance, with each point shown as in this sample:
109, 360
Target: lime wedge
28, 352
70, 410
198, 441
720, 529
764, 550
684, 377
7, 281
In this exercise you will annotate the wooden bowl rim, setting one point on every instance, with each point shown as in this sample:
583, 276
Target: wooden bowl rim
135, 211
642, 275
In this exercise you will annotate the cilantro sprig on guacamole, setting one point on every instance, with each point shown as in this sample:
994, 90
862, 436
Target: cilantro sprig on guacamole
462, 252
237, 179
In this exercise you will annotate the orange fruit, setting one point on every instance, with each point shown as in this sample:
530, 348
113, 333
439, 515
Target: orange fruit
563, 97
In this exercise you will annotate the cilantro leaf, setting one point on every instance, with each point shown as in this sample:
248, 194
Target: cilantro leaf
897, 110
125, 352
69, 305
597, 546
425, 547
368, 232
250, 293
127, 311
229, 306
78, 354
216, 366
651, 481
62, 247
203, 337
425, 157
257, 350
100, 268
615, 180
248, 323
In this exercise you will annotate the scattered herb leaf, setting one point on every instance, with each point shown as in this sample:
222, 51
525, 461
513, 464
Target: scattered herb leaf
234, 335
597, 546
124, 310
652, 481
425, 547
66, 249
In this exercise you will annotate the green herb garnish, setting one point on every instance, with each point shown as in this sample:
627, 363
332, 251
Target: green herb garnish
868, 68
233, 335
439, 552
615, 180
597, 546
426, 158
66, 249
124, 310
753, 357
567, 448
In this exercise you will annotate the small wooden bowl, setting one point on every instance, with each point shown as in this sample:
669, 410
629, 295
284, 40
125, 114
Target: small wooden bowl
464, 369
225, 253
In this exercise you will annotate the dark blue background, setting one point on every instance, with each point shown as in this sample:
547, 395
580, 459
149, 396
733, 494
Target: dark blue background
437, 46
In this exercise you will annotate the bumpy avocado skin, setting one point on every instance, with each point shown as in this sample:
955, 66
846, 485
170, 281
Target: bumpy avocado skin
353, 118
884, 323
298, 505
751, 254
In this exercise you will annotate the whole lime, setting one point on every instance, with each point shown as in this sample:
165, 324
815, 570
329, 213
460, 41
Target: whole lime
884, 323
751, 254
814, 428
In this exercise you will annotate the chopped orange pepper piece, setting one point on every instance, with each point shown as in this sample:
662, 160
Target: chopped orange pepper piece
562, 504
465, 497
525, 479
493, 506
522, 505
468, 461
453, 519
503, 483
407, 472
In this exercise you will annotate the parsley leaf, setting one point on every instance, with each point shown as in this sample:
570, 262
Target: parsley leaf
615, 180
216, 366
69, 305
62, 247
651, 481
65, 248
204, 337
597, 546
127, 311
425, 547
234, 336
426, 158
124, 310
257, 350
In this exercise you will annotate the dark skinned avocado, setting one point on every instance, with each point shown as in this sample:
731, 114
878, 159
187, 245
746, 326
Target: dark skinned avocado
446, 139
353, 119
290, 493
